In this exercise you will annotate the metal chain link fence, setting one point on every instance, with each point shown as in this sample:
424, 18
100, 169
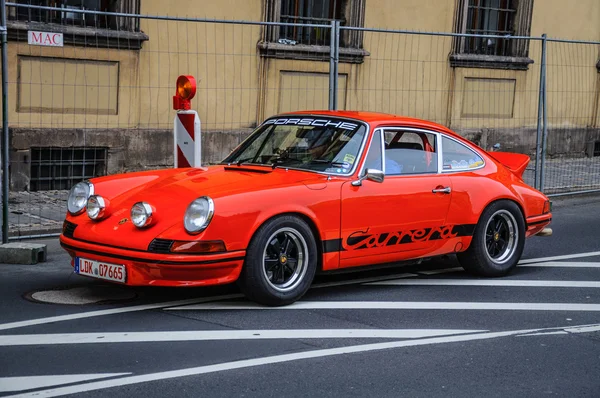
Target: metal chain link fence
100, 103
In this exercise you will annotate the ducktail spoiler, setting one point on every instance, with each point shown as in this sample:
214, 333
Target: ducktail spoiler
515, 162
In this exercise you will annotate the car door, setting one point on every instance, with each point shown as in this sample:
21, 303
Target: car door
404, 215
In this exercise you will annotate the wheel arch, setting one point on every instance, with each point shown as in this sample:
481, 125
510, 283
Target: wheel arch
311, 224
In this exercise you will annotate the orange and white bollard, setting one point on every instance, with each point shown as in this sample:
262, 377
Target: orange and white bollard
186, 127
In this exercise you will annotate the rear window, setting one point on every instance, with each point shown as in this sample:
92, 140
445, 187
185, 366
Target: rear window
459, 157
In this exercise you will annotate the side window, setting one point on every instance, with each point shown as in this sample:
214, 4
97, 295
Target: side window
410, 152
374, 160
458, 157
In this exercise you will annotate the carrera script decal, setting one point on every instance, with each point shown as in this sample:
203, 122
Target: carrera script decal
313, 122
364, 240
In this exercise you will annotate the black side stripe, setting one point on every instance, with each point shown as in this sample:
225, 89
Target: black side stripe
332, 246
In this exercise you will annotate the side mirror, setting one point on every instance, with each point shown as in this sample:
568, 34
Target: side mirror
371, 175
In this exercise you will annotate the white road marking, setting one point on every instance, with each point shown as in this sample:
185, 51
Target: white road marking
542, 334
144, 307
583, 329
562, 264
394, 305
204, 335
486, 282
321, 353
11, 384
565, 257
90, 314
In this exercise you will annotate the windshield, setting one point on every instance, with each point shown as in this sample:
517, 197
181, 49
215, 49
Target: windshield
322, 144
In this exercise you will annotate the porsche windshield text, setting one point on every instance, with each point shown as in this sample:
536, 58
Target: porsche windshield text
327, 145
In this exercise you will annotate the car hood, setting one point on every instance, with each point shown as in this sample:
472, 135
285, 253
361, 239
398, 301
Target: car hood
170, 192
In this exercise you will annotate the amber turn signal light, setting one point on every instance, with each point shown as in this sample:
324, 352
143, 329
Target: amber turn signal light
547, 207
202, 246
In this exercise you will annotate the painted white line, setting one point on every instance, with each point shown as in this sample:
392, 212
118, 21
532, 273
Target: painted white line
394, 305
206, 335
583, 329
565, 257
487, 282
321, 353
542, 333
145, 307
442, 271
562, 264
90, 314
11, 384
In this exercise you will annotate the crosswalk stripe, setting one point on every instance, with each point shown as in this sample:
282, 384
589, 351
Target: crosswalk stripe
486, 282
563, 264
563, 257
394, 305
212, 335
9, 384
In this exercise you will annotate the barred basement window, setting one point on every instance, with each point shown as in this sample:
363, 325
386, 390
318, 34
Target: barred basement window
60, 168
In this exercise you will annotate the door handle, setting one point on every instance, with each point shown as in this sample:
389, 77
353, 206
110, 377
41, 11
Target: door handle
446, 190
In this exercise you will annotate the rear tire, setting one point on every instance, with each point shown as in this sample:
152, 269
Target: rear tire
498, 241
281, 262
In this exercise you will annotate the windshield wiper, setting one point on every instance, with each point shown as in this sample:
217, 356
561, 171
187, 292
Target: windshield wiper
239, 162
279, 161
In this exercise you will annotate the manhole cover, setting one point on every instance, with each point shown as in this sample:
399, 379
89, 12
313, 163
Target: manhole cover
81, 295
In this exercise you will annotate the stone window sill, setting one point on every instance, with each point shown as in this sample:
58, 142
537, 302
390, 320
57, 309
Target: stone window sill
489, 61
80, 36
307, 52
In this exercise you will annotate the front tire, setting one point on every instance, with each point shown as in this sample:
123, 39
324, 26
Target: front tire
281, 262
498, 241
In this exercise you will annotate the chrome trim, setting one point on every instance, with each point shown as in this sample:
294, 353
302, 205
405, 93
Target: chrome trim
101, 206
358, 156
466, 146
209, 216
91, 192
147, 209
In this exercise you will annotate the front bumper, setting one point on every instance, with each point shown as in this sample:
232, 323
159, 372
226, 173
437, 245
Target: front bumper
154, 269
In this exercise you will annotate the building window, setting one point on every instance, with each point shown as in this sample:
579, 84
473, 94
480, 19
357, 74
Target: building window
77, 27
492, 17
300, 42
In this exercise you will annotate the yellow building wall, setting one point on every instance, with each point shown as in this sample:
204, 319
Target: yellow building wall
402, 74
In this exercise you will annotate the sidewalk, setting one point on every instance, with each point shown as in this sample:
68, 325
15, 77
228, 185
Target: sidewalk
41, 213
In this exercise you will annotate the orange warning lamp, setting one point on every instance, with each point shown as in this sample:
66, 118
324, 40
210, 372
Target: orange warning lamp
186, 89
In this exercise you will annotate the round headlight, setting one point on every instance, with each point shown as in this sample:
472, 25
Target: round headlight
198, 215
96, 207
78, 197
141, 214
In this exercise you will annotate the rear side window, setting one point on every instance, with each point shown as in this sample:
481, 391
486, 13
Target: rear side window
459, 157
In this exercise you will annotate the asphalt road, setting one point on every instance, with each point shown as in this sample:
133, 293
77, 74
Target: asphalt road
427, 331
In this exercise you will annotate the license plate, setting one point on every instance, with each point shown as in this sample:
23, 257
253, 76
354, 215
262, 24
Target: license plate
100, 270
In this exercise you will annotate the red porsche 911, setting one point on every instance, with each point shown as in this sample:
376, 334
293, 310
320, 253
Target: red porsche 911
307, 192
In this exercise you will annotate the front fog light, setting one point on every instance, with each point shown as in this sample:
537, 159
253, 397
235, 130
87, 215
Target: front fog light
78, 197
141, 214
198, 215
96, 207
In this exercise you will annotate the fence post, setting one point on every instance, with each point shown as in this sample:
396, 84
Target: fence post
545, 113
5, 141
538, 141
334, 57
